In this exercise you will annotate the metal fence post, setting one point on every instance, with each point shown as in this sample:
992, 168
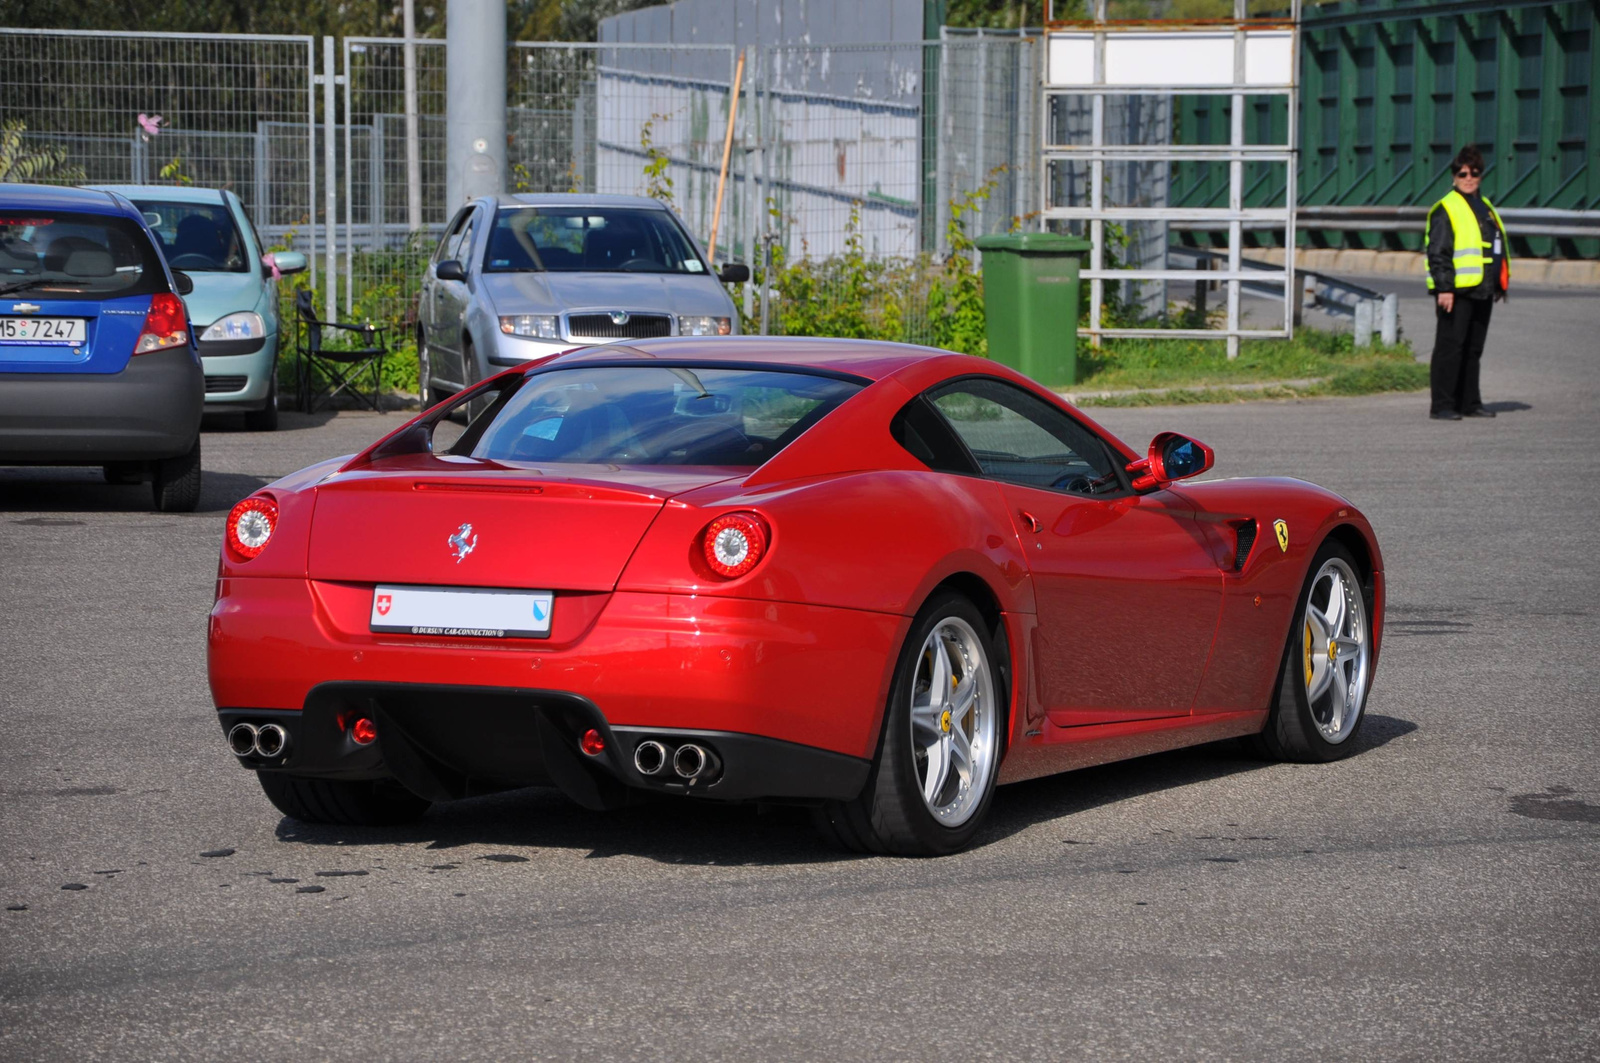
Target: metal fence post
330, 300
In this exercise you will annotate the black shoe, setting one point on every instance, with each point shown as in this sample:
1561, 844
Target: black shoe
1445, 415
1481, 411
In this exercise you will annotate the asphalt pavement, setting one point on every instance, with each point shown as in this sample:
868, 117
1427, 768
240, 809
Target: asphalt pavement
1435, 896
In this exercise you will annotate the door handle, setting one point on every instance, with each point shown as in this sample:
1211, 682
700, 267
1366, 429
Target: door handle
1032, 522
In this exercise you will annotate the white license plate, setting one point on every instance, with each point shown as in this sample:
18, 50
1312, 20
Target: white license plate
69, 330
474, 612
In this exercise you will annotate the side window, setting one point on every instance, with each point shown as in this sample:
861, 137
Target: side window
929, 439
452, 237
1019, 438
463, 252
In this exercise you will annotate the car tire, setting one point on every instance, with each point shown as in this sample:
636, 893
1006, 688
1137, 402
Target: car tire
1323, 680
266, 418
470, 378
376, 803
176, 484
902, 810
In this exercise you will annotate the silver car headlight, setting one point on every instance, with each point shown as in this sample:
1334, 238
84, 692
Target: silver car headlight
705, 326
536, 326
246, 325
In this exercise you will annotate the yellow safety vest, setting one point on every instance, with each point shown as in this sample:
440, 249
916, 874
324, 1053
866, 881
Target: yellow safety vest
1471, 253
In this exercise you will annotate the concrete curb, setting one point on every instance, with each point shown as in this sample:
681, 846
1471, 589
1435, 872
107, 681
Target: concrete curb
1078, 397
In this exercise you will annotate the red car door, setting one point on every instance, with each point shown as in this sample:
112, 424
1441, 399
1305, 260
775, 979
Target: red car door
1128, 587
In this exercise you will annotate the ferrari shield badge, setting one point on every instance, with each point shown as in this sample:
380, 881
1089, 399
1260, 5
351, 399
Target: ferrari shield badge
463, 542
1281, 528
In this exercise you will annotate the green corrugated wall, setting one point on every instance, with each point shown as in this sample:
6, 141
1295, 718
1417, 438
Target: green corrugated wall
1390, 89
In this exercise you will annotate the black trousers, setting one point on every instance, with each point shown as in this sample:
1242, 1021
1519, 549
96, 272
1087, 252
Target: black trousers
1457, 350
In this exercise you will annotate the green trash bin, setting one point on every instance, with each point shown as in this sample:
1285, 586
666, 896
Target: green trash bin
1031, 301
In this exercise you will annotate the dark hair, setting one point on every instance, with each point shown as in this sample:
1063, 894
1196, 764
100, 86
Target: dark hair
1467, 156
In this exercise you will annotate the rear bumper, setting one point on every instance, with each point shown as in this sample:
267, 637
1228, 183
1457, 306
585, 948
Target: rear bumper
734, 672
150, 410
242, 381
495, 738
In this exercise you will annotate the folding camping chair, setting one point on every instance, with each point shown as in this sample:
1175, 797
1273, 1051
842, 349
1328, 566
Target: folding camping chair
343, 369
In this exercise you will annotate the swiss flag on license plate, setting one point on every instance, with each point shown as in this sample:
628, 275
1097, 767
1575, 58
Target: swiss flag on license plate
385, 603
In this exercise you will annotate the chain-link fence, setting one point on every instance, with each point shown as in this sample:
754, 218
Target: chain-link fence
842, 154
216, 111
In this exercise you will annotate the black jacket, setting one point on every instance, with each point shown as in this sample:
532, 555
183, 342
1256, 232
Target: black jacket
1442, 250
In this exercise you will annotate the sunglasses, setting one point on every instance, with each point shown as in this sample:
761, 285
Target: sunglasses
1473, 171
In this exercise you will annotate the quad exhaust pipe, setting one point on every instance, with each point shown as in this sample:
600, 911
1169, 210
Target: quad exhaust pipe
688, 762
650, 757
268, 740
692, 761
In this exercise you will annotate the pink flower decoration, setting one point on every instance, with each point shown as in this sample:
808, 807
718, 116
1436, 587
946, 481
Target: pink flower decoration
149, 125
271, 262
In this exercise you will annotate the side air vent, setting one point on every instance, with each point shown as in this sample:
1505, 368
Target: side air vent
1245, 533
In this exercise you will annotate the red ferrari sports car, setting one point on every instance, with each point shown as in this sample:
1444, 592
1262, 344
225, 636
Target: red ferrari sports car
874, 579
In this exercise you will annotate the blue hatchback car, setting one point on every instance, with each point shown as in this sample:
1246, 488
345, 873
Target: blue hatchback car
98, 363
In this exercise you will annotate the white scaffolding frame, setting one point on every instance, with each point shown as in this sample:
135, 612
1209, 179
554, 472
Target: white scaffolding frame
1257, 66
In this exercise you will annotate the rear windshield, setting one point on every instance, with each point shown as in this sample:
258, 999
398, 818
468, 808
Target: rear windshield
197, 237
650, 415
67, 255
590, 240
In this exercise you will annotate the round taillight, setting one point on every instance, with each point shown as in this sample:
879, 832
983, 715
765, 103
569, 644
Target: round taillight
593, 742
364, 731
250, 526
735, 544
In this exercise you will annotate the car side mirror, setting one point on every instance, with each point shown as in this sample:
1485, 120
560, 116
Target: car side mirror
182, 281
734, 273
1171, 457
450, 270
285, 261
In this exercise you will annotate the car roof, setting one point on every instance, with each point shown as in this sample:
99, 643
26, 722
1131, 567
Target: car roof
60, 197
873, 359
170, 193
566, 199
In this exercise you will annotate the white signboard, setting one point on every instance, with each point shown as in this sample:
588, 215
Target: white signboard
1194, 59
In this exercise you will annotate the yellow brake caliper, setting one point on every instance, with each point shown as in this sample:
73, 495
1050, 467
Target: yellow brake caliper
1308, 655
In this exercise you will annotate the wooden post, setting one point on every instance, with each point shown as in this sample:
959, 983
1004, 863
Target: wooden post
727, 155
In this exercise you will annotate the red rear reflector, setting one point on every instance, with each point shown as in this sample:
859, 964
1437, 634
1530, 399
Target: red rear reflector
250, 527
166, 325
592, 742
734, 544
365, 732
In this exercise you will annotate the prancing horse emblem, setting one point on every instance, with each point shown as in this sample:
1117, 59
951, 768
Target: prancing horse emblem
463, 542
1281, 527
619, 317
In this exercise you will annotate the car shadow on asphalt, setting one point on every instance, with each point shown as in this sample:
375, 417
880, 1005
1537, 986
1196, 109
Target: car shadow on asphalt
684, 831
1056, 797
288, 421
65, 489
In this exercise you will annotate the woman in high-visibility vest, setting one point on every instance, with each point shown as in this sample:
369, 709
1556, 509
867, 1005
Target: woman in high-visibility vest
1469, 270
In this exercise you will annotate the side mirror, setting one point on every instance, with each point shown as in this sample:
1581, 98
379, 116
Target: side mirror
450, 270
183, 282
1171, 457
734, 273
285, 261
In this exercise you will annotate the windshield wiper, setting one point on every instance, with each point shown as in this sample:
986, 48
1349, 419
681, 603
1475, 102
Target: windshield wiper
22, 286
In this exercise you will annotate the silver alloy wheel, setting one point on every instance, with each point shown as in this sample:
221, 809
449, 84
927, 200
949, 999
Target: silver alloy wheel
953, 720
1336, 650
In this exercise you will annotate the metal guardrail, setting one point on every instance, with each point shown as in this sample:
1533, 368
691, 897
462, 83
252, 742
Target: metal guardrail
1520, 221
1371, 311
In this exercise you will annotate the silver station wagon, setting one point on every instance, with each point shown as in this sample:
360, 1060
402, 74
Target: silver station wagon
518, 277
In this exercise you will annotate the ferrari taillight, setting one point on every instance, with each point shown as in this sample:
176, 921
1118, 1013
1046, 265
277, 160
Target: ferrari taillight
250, 526
734, 544
166, 325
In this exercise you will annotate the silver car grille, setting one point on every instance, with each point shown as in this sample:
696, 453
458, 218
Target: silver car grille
606, 326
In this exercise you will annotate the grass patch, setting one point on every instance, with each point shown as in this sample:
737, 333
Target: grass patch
1200, 370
